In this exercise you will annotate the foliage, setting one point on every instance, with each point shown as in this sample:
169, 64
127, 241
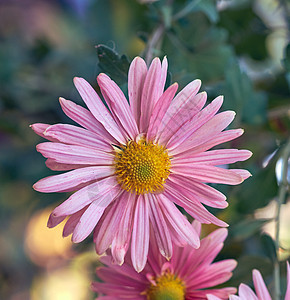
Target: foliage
227, 48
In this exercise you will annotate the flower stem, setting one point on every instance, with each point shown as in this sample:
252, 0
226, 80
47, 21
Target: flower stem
281, 199
155, 38
186, 10
158, 33
167, 19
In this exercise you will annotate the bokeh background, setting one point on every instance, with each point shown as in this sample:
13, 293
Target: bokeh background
238, 49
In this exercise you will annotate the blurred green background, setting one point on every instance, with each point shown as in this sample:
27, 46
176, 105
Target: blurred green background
238, 49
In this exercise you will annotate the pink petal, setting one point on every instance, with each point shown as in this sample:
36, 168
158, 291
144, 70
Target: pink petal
71, 154
260, 287
223, 293
208, 174
125, 270
159, 110
197, 226
287, 296
179, 222
115, 290
192, 205
185, 105
54, 221
121, 241
210, 247
152, 90
164, 67
72, 222
140, 234
39, 128
215, 157
192, 125
177, 240
212, 297
234, 297
110, 225
160, 228
243, 173
136, 78
204, 193
69, 180
93, 213
246, 293
218, 236
118, 104
155, 262
56, 166
220, 138
206, 132
110, 275
85, 196
196, 262
187, 255
98, 109
73, 135
215, 274
184, 115
102, 297
85, 118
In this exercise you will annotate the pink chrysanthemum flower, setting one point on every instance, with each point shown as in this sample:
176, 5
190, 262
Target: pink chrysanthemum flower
190, 274
246, 293
130, 163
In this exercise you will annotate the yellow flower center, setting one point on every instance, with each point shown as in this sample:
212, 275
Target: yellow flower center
142, 167
167, 287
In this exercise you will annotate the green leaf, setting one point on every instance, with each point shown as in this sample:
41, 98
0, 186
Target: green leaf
247, 31
269, 247
258, 190
247, 228
198, 48
111, 63
243, 272
241, 97
209, 8
286, 60
286, 63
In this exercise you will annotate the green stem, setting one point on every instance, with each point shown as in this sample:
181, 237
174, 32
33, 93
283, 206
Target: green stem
281, 199
186, 10
158, 33
153, 41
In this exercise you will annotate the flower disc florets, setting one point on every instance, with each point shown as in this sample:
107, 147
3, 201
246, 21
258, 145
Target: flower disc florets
166, 287
142, 167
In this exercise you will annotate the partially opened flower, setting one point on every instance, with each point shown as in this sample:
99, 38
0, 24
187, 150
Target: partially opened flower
261, 291
129, 163
190, 274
